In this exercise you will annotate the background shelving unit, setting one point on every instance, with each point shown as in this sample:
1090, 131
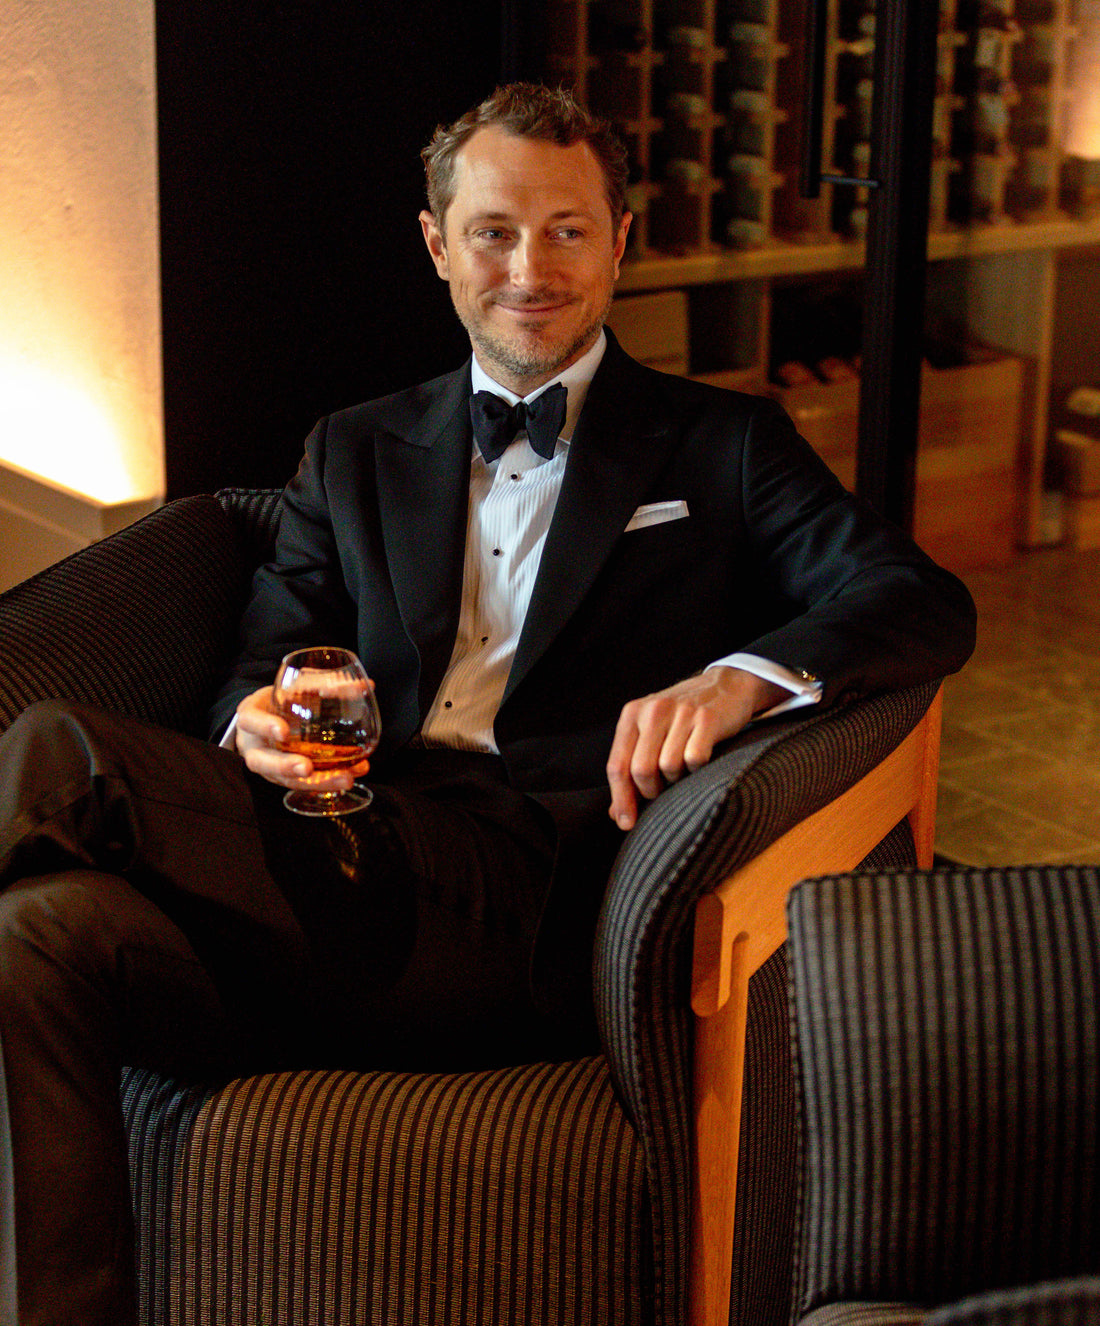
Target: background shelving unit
707, 94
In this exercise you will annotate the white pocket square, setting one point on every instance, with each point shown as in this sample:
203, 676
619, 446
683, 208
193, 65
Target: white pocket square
656, 513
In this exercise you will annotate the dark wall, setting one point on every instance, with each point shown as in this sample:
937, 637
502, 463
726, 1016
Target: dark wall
294, 277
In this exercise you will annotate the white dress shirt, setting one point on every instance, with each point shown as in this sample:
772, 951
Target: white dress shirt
511, 504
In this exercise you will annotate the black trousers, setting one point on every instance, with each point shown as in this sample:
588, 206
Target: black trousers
160, 908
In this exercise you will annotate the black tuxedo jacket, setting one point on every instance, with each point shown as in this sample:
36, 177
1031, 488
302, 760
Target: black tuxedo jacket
773, 557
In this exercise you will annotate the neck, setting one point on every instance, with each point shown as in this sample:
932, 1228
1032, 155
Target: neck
575, 378
523, 385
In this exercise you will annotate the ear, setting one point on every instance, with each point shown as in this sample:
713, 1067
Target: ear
437, 246
620, 242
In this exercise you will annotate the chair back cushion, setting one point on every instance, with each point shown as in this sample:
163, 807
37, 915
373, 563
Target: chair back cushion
143, 622
256, 513
948, 1065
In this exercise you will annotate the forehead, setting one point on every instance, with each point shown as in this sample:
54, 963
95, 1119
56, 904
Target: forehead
498, 172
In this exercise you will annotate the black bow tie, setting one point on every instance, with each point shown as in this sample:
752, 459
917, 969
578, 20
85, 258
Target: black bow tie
496, 422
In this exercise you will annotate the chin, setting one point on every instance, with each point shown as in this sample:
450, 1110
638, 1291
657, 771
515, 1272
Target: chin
521, 356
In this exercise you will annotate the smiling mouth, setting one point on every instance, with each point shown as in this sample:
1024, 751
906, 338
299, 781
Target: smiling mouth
533, 307
542, 311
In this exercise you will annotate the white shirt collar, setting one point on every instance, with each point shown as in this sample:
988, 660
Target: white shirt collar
576, 379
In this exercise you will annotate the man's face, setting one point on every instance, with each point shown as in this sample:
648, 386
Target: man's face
530, 253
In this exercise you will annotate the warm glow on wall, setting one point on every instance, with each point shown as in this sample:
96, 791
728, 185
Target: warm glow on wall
51, 428
80, 391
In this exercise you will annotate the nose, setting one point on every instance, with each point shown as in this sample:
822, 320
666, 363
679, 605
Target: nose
531, 262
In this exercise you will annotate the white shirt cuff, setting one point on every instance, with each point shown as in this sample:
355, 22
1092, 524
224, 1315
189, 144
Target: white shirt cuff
804, 687
229, 736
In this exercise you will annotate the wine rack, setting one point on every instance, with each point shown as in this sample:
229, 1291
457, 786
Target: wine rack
707, 95
1013, 93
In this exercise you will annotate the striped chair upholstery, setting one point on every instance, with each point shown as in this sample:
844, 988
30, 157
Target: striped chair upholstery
350, 1198
1061, 1303
865, 1314
557, 1193
949, 1069
138, 623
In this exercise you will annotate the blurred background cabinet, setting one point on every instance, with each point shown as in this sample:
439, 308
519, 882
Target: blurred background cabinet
735, 278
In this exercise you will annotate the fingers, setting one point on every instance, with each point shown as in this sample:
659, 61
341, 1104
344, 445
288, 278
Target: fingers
257, 721
657, 740
297, 773
290, 775
261, 732
624, 799
661, 737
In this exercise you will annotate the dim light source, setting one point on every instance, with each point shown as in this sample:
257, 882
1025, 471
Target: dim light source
52, 428
1082, 125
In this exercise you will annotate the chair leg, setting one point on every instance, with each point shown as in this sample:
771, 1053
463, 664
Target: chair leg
718, 1085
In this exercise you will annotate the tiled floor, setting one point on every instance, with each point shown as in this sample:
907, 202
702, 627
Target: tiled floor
1020, 763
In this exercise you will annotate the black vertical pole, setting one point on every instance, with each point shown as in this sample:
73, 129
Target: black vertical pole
897, 242
522, 40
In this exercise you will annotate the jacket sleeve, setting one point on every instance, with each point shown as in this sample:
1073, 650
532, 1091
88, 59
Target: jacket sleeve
300, 598
864, 608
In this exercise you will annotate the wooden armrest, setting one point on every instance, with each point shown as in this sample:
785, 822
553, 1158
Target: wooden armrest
738, 926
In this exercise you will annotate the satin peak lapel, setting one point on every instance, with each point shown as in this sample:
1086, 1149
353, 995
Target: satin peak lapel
423, 493
622, 440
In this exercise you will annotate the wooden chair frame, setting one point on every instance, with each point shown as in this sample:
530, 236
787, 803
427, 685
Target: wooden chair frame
738, 926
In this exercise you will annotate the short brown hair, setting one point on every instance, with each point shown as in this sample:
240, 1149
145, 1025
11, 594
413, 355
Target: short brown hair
528, 110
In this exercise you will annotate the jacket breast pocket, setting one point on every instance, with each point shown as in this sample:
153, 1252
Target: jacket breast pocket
665, 545
657, 513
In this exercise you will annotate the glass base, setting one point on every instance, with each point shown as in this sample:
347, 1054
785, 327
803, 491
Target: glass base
323, 804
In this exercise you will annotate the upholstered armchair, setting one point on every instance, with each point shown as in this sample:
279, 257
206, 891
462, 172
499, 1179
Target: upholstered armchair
949, 1063
646, 1184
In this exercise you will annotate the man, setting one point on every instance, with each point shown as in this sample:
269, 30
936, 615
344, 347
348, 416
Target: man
554, 637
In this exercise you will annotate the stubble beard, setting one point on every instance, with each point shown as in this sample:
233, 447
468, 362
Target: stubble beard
533, 361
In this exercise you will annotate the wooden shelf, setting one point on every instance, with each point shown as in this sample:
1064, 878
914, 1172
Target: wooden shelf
1011, 237
774, 258
777, 259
